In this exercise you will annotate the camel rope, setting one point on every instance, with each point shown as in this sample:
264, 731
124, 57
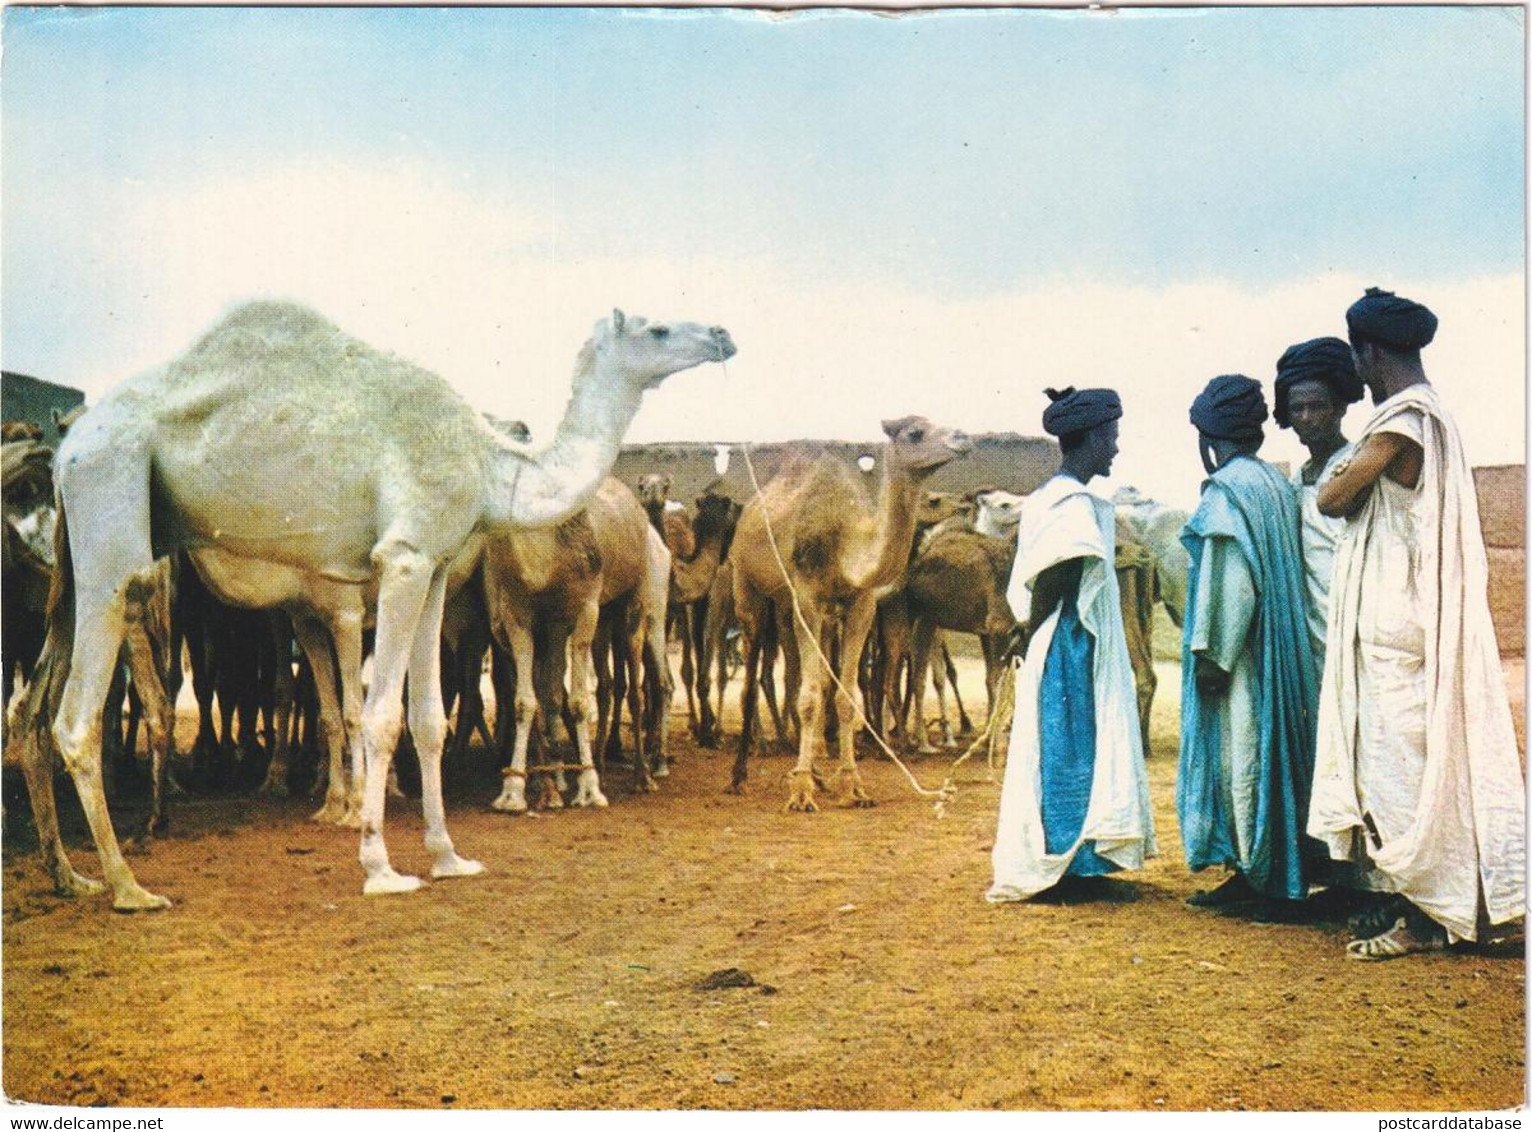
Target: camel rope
947, 791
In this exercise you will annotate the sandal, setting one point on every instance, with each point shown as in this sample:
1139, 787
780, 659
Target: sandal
1399, 941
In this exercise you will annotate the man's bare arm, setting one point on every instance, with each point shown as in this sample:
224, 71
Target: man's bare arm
1384, 452
1050, 588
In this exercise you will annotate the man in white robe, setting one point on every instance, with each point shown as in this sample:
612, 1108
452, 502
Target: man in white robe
1418, 779
1075, 799
1316, 380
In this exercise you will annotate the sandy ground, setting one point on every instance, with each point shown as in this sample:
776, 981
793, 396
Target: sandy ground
567, 976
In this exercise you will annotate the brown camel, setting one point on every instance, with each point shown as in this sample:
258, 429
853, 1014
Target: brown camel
893, 621
957, 583
691, 580
839, 553
1138, 589
558, 584
665, 515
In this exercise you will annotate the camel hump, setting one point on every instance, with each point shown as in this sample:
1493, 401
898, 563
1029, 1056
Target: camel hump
828, 496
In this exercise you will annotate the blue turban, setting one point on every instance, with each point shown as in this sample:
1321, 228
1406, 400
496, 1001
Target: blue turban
1075, 410
1232, 407
1319, 359
1382, 316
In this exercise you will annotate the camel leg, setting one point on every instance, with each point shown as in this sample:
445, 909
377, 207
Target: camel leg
36, 757
281, 704
428, 729
858, 624
710, 653
939, 683
77, 732
346, 634
37, 766
752, 612
965, 725
405, 583
602, 659
811, 704
920, 662
792, 674
314, 639
517, 641
767, 687
633, 660
158, 715
659, 711
683, 616
582, 701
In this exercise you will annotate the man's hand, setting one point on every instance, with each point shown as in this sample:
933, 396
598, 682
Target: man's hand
1211, 680
1014, 646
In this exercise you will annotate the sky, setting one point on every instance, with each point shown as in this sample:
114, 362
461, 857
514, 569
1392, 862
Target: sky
937, 213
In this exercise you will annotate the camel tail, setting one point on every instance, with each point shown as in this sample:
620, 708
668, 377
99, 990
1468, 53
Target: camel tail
40, 705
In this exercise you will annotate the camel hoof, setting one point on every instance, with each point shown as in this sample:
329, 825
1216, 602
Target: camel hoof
859, 802
273, 789
801, 804
508, 804
136, 899
663, 770
73, 884
388, 882
333, 812
594, 798
456, 866
737, 788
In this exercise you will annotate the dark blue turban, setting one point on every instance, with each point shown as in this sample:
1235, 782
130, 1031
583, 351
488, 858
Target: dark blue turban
1382, 316
1075, 410
1319, 359
1230, 408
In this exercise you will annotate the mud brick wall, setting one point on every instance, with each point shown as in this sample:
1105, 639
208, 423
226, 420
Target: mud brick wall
1502, 513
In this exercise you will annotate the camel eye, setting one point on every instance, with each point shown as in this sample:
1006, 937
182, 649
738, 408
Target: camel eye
917, 435
660, 331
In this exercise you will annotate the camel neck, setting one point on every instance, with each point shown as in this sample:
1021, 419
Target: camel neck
545, 488
889, 556
693, 576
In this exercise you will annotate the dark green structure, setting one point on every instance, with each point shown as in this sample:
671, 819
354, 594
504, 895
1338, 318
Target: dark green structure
24, 398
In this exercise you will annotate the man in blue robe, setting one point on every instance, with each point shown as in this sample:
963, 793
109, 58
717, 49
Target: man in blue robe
1249, 685
1075, 801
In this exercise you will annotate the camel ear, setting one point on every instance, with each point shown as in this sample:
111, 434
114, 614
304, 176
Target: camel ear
892, 429
619, 320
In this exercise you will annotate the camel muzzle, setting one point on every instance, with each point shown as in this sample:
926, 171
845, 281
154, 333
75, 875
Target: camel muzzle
724, 344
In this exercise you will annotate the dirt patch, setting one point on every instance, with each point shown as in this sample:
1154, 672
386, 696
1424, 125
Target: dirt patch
568, 976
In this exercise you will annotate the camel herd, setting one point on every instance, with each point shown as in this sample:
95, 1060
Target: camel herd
282, 494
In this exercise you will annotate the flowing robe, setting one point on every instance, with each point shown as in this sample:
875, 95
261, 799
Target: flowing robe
1075, 796
1418, 780
1247, 754
1319, 535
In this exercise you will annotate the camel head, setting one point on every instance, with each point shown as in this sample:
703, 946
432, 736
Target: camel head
653, 490
646, 353
714, 513
999, 513
920, 447
935, 506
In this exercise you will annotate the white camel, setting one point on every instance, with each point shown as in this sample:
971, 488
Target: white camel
299, 466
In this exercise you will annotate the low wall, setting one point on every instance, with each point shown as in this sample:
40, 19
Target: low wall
1502, 495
